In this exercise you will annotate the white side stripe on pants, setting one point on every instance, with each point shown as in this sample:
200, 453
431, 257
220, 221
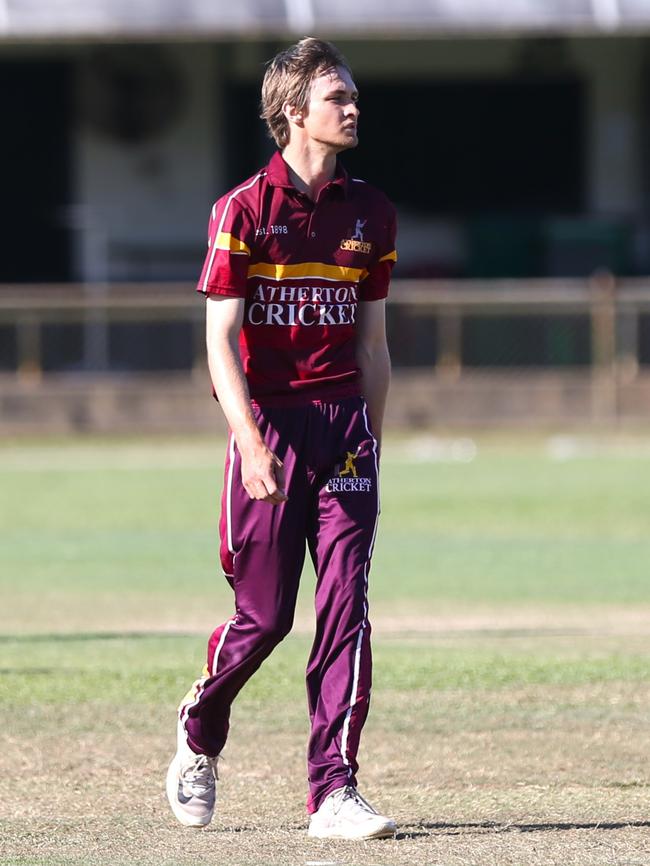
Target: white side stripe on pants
354, 696
231, 470
215, 660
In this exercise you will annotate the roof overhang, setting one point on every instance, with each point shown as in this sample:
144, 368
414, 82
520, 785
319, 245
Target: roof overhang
132, 19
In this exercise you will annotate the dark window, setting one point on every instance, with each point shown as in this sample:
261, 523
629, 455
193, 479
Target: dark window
474, 146
644, 339
247, 147
8, 348
35, 156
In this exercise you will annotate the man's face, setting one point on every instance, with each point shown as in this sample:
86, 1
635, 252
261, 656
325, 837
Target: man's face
331, 113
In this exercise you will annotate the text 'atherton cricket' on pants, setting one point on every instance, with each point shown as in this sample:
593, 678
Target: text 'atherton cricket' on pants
331, 464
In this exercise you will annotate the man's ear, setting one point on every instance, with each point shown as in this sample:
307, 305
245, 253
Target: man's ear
292, 114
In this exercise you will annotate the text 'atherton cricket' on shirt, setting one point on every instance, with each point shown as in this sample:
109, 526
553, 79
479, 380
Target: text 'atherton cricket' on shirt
302, 268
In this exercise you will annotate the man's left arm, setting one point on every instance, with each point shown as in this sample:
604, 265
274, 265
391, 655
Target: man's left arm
373, 359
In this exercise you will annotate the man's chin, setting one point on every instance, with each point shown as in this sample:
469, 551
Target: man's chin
348, 142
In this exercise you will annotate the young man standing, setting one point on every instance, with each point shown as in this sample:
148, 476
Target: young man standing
296, 276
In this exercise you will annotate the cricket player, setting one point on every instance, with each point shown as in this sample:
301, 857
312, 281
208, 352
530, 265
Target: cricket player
296, 276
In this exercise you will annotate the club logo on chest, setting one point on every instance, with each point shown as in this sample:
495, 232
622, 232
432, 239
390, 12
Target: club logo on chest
355, 243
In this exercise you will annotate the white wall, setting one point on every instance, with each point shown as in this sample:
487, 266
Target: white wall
158, 193
614, 70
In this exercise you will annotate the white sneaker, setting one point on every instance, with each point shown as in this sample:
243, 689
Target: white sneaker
191, 784
344, 814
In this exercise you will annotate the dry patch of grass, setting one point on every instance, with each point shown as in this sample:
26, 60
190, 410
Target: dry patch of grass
525, 775
118, 815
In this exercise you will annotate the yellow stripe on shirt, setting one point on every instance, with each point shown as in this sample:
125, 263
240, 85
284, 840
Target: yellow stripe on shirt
313, 270
389, 257
231, 244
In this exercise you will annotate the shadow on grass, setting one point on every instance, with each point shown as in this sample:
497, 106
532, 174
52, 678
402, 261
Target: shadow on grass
425, 831
483, 827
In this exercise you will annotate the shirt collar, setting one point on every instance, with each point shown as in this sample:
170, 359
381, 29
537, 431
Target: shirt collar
278, 175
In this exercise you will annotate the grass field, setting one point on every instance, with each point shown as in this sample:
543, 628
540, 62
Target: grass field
511, 708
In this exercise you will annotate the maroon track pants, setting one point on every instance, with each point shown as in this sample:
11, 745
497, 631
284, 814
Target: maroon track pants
330, 460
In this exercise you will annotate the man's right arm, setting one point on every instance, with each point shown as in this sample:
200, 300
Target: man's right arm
262, 471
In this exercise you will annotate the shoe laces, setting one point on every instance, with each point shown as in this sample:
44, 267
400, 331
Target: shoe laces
199, 773
350, 793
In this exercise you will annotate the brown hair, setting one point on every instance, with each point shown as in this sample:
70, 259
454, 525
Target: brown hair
288, 78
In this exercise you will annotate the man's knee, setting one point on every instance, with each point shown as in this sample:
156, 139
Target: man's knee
270, 629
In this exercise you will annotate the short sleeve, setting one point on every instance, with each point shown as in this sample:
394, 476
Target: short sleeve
231, 235
374, 286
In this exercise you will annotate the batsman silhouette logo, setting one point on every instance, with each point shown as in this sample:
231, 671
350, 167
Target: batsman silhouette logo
347, 479
356, 243
349, 465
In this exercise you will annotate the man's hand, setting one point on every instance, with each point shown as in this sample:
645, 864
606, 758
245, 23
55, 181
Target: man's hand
262, 475
373, 360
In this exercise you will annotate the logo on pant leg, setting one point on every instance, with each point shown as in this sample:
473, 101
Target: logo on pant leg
350, 466
347, 479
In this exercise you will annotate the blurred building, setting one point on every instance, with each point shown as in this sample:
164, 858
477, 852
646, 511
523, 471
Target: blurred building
513, 136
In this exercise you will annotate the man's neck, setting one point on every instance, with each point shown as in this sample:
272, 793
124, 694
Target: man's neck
309, 170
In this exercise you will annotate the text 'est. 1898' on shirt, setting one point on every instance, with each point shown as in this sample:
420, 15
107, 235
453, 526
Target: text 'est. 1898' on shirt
302, 268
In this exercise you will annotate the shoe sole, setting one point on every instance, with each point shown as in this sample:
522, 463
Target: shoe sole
380, 833
172, 789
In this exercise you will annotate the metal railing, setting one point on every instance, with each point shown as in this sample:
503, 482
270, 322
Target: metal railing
613, 308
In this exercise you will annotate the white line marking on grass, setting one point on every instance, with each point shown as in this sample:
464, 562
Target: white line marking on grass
562, 448
432, 449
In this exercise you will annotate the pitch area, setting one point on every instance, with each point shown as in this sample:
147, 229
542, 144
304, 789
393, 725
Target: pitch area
510, 710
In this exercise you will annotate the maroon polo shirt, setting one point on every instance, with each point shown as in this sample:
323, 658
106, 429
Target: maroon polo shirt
302, 267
